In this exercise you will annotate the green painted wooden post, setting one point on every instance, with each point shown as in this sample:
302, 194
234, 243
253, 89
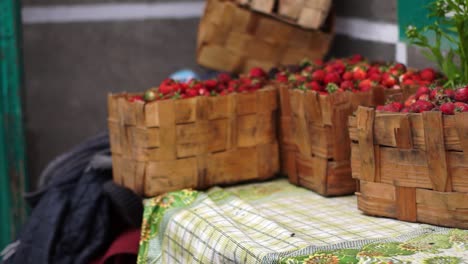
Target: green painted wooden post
13, 180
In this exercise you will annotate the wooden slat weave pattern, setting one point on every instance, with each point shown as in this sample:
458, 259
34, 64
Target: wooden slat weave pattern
421, 173
193, 143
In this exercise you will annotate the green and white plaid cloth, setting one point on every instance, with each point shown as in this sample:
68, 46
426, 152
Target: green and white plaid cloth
276, 222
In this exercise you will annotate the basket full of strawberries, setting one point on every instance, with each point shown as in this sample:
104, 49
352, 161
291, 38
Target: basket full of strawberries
194, 134
316, 99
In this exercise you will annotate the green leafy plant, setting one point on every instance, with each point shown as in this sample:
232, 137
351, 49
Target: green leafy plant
451, 25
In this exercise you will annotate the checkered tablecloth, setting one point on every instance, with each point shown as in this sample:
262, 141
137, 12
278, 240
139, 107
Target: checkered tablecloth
277, 222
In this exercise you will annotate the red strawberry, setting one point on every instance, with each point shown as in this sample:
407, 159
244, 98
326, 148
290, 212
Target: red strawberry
136, 98
365, 85
380, 108
224, 77
461, 95
318, 75
356, 58
390, 108
374, 69
375, 77
203, 92
461, 107
397, 69
397, 105
408, 82
359, 73
411, 100
315, 86
451, 94
448, 108
435, 93
191, 92
388, 80
424, 97
257, 72
421, 106
427, 74
282, 77
347, 85
210, 84
332, 77
422, 90
348, 76
166, 89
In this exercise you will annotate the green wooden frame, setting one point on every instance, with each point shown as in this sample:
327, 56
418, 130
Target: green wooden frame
13, 180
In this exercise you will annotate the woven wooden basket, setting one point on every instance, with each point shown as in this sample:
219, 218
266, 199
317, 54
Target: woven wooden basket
413, 167
315, 146
193, 143
235, 39
310, 14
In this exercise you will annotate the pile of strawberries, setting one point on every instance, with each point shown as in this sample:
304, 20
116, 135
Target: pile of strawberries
224, 84
353, 74
432, 99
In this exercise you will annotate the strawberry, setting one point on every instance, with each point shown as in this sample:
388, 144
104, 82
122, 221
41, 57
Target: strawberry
315, 86
257, 72
461, 95
348, 76
397, 105
461, 107
356, 58
191, 92
224, 77
282, 77
374, 69
435, 93
390, 108
359, 73
375, 77
421, 106
318, 75
166, 88
365, 85
405, 110
203, 92
388, 80
332, 77
411, 100
427, 74
347, 85
136, 98
448, 108
380, 108
397, 69
424, 97
451, 94
210, 84
422, 90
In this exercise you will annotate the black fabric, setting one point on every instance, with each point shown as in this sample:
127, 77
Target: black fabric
72, 220
126, 203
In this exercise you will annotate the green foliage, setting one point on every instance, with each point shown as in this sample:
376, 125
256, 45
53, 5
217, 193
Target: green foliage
451, 24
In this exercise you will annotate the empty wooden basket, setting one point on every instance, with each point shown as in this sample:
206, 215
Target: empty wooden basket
193, 143
413, 167
235, 39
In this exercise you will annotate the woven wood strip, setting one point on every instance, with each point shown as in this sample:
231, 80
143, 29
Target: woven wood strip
365, 126
435, 151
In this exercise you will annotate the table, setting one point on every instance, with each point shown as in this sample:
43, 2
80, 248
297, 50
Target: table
276, 222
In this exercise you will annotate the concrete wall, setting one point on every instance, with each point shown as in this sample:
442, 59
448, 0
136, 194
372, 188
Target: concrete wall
71, 66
